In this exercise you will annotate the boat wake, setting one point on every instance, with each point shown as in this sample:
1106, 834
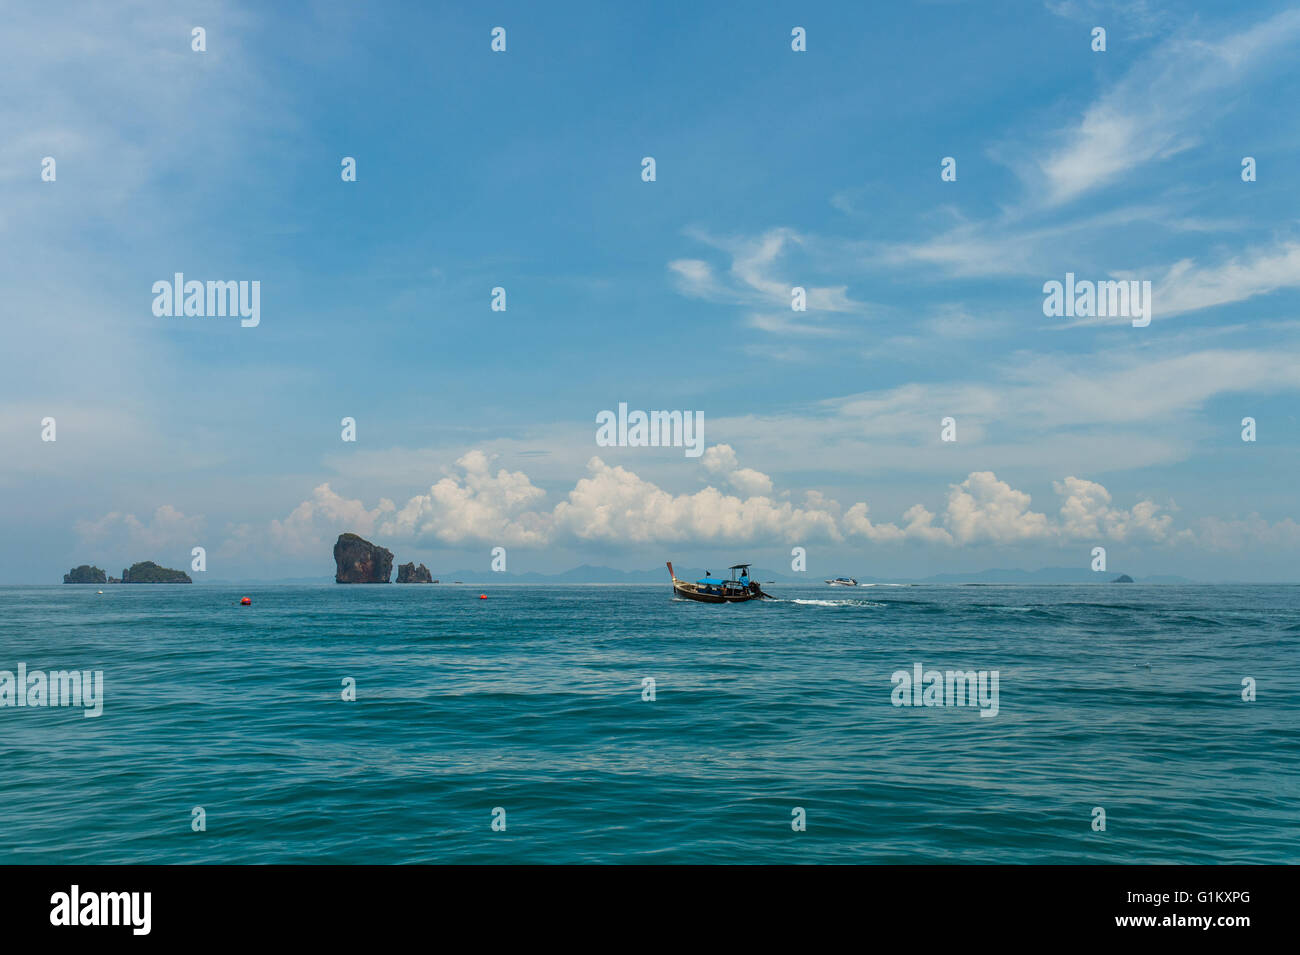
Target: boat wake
833, 603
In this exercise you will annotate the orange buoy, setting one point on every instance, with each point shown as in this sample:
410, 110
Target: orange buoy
246, 602
482, 596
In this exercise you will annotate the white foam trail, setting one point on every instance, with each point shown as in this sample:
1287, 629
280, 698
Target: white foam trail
835, 603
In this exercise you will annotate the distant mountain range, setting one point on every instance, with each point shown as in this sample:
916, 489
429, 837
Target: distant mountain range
588, 574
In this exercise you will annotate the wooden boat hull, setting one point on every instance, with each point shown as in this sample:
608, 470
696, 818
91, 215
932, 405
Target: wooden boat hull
728, 593
691, 592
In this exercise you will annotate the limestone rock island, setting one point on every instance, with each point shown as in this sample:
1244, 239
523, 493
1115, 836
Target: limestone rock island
410, 574
147, 572
85, 574
357, 561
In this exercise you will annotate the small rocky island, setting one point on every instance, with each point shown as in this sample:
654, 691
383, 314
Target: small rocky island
410, 574
85, 574
1122, 579
147, 572
144, 572
357, 561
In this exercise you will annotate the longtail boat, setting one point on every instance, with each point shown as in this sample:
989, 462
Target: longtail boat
712, 590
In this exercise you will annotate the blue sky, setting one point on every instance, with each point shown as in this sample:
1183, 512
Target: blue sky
775, 168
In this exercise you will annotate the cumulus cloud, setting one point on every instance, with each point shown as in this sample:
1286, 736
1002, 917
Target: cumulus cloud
613, 505
918, 525
610, 504
720, 460
475, 506
858, 524
1087, 513
982, 508
311, 525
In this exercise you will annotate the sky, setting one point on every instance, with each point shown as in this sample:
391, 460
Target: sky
774, 168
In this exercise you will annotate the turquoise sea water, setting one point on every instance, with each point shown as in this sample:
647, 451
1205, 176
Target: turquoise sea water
1125, 697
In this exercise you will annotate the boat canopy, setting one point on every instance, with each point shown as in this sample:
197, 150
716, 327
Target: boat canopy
738, 567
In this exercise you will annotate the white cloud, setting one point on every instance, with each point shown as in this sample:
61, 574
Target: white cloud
1166, 103
1037, 417
752, 278
1186, 288
1087, 513
609, 504
1137, 18
919, 526
613, 504
790, 323
857, 523
169, 530
695, 279
982, 508
1155, 111
314, 523
721, 460
476, 506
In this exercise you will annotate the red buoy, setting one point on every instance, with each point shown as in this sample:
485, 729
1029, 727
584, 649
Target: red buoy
482, 596
247, 602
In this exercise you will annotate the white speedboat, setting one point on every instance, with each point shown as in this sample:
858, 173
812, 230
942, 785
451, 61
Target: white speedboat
842, 582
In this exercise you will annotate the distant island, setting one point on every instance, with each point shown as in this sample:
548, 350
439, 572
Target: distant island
358, 561
1122, 579
147, 572
85, 574
410, 574
144, 572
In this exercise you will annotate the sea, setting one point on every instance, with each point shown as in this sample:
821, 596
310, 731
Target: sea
1129, 723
